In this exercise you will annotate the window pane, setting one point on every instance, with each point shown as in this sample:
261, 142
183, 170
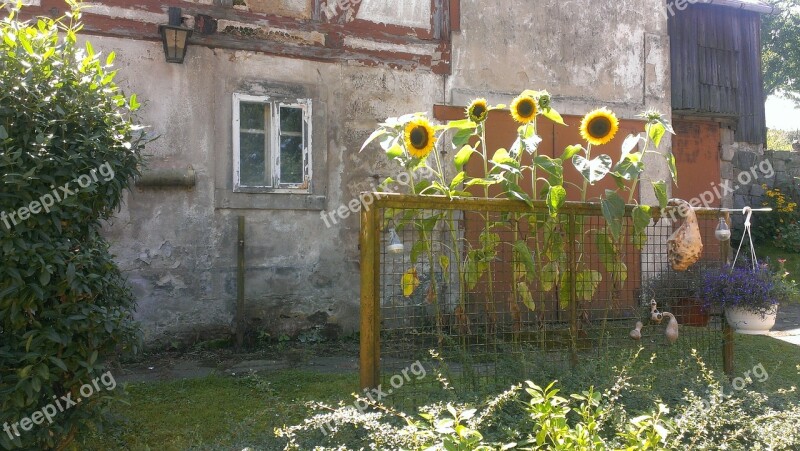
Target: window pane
251, 115
291, 119
291, 159
252, 159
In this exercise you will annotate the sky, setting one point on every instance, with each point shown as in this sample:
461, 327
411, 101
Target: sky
782, 114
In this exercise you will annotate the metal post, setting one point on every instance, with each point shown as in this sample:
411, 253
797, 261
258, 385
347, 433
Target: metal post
727, 331
370, 291
240, 284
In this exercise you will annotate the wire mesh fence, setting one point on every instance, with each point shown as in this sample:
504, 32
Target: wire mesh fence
488, 292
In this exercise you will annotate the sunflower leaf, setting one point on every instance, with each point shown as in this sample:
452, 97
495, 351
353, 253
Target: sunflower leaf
570, 151
593, 170
554, 167
462, 137
462, 157
641, 218
375, 134
673, 170
553, 115
457, 180
395, 151
556, 196
660, 189
463, 124
656, 132
525, 295
629, 144
613, 208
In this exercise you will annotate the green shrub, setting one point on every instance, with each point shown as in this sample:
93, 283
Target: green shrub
707, 416
69, 146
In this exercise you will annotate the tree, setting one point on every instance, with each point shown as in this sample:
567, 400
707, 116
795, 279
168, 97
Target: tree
69, 147
780, 37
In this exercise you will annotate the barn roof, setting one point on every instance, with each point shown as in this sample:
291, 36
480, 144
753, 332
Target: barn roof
749, 5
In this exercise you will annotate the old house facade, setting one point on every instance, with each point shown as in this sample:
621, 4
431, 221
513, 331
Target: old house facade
266, 115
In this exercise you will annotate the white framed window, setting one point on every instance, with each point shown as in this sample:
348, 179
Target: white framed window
271, 144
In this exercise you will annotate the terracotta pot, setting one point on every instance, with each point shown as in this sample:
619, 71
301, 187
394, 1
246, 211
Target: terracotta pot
690, 312
745, 322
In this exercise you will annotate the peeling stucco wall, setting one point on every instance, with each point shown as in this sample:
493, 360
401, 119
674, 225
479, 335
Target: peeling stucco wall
178, 245
586, 54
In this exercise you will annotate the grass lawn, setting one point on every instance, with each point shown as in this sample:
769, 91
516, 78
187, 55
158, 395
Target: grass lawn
231, 413
217, 412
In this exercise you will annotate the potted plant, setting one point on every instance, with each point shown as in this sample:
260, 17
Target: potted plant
676, 291
749, 294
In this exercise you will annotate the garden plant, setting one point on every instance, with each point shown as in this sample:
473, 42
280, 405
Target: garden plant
69, 148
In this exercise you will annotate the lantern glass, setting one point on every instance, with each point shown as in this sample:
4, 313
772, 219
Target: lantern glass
723, 233
395, 245
174, 39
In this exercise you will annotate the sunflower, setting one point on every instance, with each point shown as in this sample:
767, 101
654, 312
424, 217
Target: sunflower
523, 109
599, 126
477, 110
419, 137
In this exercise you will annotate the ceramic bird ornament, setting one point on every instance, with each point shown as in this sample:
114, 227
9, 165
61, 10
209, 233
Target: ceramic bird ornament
684, 246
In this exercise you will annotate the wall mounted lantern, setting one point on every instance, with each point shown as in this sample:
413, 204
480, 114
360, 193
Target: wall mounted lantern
174, 36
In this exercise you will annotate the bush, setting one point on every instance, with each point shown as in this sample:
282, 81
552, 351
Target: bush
69, 147
783, 200
706, 416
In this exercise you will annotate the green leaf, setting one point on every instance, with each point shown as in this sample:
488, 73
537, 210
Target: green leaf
377, 133
553, 115
462, 157
641, 218
656, 132
3, 132
417, 248
660, 188
571, 151
673, 170
554, 167
525, 295
134, 104
462, 137
463, 124
629, 167
556, 196
639, 240
457, 180
613, 208
593, 170
395, 151
502, 157
550, 273
523, 260
444, 262
586, 283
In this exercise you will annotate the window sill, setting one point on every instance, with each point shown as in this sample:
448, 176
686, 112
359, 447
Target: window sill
273, 200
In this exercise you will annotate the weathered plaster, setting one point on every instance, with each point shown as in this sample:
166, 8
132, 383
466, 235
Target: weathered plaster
178, 245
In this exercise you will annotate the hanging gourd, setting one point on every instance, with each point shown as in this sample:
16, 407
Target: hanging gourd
684, 246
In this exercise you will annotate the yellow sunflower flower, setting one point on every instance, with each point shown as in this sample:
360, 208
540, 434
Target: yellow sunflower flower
419, 137
523, 109
477, 110
599, 126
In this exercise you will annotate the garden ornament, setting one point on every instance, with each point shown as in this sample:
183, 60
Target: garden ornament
684, 246
636, 334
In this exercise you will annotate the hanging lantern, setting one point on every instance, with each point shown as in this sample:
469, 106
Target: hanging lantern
395, 245
723, 233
